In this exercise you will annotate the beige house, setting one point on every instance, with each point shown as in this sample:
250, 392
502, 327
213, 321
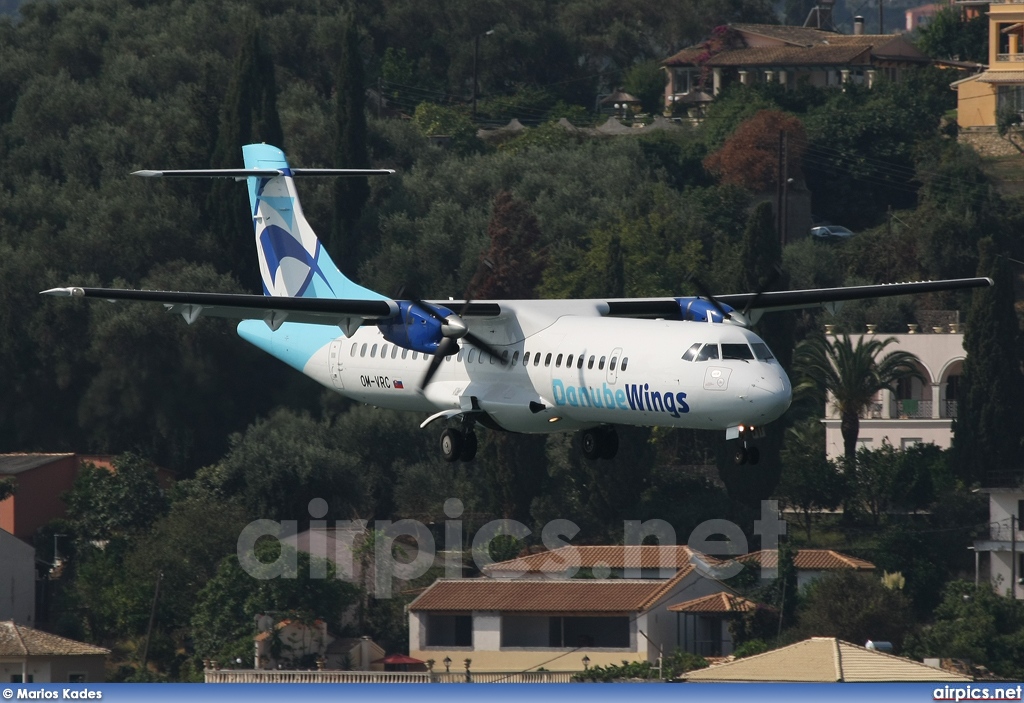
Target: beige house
1000, 88
33, 656
822, 660
790, 56
921, 411
293, 644
519, 624
1000, 558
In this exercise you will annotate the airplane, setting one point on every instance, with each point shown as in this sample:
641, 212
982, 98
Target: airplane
530, 366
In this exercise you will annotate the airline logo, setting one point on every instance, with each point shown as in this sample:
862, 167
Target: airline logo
634, 396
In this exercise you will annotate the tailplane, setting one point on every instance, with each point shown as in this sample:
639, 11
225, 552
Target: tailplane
293, 262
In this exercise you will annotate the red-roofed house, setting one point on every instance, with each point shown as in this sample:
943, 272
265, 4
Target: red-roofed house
606, 561
790, 56
811, 564
17, 580
518, 624
706, 622
33, 656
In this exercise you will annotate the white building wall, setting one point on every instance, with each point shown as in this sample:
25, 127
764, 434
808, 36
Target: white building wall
17, 580
1003, 506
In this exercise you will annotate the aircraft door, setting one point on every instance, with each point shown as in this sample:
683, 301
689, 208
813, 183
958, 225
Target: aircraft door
335, 364
614, 361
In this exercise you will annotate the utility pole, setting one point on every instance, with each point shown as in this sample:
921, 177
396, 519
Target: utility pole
881, 19
152, 617
1013, 556
476, 61
779, 187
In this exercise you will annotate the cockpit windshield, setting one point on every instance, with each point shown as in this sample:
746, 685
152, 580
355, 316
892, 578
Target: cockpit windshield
743, 352
707, 352
737, 351
761, 351
691, 352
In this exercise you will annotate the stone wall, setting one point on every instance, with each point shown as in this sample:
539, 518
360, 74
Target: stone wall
987, 142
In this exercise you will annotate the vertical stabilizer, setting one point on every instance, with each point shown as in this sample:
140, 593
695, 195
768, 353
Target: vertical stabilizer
293, 262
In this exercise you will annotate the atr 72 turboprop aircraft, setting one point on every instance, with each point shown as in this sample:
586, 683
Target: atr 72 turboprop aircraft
535, 366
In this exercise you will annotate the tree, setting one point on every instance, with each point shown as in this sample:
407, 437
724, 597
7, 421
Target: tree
646, 80
855, 607
986, 437
350, 194
750, 156
8, 487
123, 502
852, 375
810, 482
950, 35
249, 115
515, 254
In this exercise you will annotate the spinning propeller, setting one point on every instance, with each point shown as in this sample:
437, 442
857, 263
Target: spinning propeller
454, 328
727, 313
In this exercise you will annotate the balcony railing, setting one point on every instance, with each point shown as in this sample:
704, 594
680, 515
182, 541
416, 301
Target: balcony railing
1009, 57
1001, 533
913, 408
951, 409
271, 676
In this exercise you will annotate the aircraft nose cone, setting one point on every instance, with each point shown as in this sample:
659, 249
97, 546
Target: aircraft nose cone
771, 392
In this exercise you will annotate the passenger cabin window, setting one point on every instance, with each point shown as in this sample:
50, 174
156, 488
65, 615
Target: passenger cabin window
625, 360
568, 362
761, 351
355, 345
690, 353
590, 364
600, 364
416, 355
558, 361
611, 364
394, 351
362, 350
547, 359
526, 359
579, 362
405, 353
472, 355
536, 359
373, 352
480, 359
515, 357
708, 351
383, 351
504, 357
737, 351
459, 355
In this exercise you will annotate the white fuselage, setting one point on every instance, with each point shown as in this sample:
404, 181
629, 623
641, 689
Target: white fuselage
632, 372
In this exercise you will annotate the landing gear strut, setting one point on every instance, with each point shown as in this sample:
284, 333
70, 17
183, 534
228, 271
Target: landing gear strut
458, 444
747, 453
600, 443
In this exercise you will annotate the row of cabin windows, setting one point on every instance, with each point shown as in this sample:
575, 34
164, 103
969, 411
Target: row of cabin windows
473, 354
706, 352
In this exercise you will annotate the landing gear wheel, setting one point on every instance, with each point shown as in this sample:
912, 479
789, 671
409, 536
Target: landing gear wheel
739, 457
590, 440
753, 455
469, 445
609, 443
451, 444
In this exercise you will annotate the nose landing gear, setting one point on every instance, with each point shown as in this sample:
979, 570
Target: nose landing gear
747, 453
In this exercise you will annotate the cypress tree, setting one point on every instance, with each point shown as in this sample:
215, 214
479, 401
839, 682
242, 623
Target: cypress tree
760, 258
987, 431
249, 115
350, 194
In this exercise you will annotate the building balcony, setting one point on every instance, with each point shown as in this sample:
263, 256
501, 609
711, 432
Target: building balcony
1019, 58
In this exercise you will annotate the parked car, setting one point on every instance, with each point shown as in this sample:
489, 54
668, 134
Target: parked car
832, 232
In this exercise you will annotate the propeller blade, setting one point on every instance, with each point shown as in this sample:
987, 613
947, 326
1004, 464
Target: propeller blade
772, 280
484, 346
446, 347
427, 309
705, 293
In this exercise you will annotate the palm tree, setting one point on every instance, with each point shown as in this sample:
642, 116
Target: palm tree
852, 374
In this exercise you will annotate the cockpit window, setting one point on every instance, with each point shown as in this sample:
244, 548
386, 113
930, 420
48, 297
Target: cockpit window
691, 352
736, 351
761, 351
709, 351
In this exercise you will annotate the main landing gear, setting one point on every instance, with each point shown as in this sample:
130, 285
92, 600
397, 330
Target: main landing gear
458, 444
600, 443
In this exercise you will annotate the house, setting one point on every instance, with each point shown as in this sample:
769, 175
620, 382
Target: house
921, 15
791, 56
822, 660
17, 580
294, 644
518, 624
706, 622
810, 564
33, 656
1000, 557
41, 481
921, 411
606, 561
983, 97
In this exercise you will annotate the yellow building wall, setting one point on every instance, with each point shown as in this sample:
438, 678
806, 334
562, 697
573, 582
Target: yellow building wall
976, 104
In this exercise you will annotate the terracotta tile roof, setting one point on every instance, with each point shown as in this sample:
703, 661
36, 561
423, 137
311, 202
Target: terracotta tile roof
810, 560
11, 464
1002, 77
823, 659
546, 596
715, 603
20, 641
613, 556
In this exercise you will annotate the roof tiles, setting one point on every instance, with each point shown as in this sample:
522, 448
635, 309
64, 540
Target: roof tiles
20, 641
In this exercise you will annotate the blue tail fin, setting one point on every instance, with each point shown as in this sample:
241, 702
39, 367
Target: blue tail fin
293, 262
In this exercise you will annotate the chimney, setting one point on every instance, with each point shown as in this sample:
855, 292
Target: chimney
858, 25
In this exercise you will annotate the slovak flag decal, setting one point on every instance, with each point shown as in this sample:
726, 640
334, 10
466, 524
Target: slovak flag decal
398, 384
